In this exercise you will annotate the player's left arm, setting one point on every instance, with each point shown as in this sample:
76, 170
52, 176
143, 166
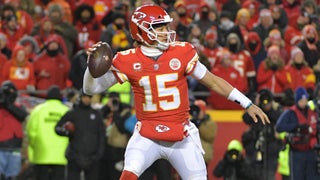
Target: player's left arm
225, 89
97, 85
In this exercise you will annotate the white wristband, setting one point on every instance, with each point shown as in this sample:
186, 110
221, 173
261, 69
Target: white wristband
238, 97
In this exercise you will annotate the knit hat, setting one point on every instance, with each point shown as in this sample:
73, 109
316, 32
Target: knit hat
54, 93
296, 50
236, 145
211, 34
243, 12
273, 50
265, 97
300, 94
274, 34
265, 12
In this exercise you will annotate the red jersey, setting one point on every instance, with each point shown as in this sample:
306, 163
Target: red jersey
303, 77
160, 86
211, 54
242, 61
232, 76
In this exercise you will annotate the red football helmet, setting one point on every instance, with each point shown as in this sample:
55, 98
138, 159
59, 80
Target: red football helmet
142, 24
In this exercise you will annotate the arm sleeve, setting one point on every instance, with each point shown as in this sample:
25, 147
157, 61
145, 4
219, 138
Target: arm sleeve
18, 112
287, 122
97, 85
199, 71
59, 128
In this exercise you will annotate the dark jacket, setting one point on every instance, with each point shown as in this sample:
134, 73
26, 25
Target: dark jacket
86, 143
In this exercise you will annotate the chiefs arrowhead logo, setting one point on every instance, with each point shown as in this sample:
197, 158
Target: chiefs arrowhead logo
137, 16
162, 128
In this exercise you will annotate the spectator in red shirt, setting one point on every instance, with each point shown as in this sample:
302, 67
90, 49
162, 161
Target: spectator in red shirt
226, 70
275, 38
31, 46
291, 7
23, 18
292, 37
19, 70
211, 47
271, 73
13, 30
301, 75
253, 8
242, 61
86, 24
51, 66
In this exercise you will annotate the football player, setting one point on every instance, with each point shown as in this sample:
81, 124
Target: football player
157, 70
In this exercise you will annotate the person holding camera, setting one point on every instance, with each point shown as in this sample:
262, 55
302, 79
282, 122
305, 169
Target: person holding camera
234, 165
115, 112
85, 129
260, 141
207, 127
11, 131
300, 124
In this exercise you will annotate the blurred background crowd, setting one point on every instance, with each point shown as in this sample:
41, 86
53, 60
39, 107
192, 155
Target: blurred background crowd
265, 48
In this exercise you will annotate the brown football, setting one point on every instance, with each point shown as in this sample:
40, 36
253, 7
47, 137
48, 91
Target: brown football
100, 57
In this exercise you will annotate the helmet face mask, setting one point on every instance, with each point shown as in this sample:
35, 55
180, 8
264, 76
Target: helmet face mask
144, 23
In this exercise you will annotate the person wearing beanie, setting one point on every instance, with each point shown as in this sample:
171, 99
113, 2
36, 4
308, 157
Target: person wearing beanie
300, 123
275, 39
272, 75
84, 128
225, 25
265, 24
241, 56
299, 72
211, 47
310, 46
46, 150
207, 128
234, 164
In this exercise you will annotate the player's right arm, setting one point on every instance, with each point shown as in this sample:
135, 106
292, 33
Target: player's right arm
97, 85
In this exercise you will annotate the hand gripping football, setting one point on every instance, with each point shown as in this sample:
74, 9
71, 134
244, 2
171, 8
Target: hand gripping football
100, 57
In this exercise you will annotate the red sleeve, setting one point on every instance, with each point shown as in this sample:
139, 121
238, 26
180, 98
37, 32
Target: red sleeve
263, 75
